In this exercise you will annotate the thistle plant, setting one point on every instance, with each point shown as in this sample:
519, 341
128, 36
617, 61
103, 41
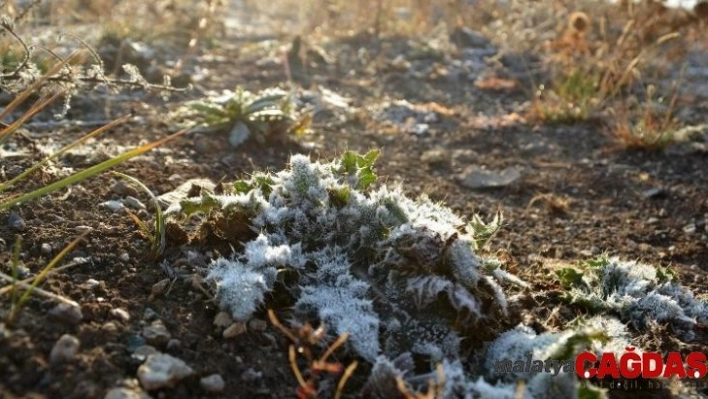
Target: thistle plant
394, 273
638, 293
266, 114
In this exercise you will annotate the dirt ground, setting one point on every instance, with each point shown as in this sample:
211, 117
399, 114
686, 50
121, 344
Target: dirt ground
577, 196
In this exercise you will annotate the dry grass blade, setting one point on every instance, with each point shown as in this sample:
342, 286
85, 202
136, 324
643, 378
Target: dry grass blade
345, 377
92, 171
43, 162
26, 282
37, 107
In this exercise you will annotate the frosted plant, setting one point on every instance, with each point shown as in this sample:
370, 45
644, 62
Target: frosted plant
399, 275
638, 293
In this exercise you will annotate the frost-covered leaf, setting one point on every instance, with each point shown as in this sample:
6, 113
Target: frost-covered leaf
238, 134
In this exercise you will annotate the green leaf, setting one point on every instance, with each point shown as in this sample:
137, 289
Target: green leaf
339, 197
265, 183
482, 232
360, 166
569, 277
208, 109
242, 187
262, 103
205, 204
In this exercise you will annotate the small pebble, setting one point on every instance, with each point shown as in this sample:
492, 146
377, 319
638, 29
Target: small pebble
16, 222
109, 327
174, 344
122, 189
124, 257
134, 203
46, 248
126, 393
142, 352
113, 205
251, 375
64, 349
82, 229
156, 333
162, 371
234, 330
120, 314
212, 383
92, 284
223, 319
257, 325
149, 314
67, 313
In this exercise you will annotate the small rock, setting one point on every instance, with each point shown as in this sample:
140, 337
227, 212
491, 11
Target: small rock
82, 229
689, 228
234, 330
67, 313
16, 222
156, 333
120, 314
109, 327
654, 192
92, 284
142, 352
134, 203
124, 257
113, 205
162, 371
64, 349
400, 63
223, 319
174, 344
257, 325
251, 375
149, 314
45, 248
435, 157
122, 189
212, 383
126, 393
476, 177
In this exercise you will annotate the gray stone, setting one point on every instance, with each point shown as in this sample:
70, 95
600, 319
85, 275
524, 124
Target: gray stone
113, 205
45, 248
126, 393
212, 383
476, 177
120, 314
162, 371
156, 333
16, 222
134, 203
67, 313
64, 349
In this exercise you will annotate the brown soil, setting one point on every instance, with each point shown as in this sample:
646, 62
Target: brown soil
577, 197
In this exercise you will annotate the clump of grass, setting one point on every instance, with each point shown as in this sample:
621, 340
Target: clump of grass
158, 238
649, 126
596, 64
